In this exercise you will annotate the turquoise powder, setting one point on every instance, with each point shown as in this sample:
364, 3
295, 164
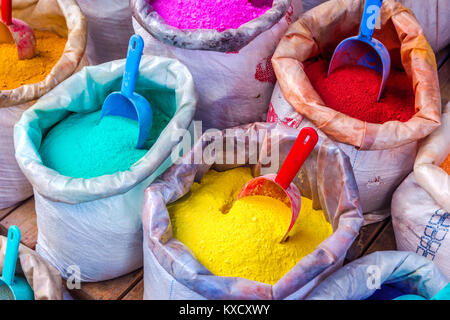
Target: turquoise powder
82, 146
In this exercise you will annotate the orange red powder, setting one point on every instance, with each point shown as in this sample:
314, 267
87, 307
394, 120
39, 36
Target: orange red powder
446, 164
353, 90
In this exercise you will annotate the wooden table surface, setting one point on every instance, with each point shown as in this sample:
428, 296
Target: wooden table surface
374, 237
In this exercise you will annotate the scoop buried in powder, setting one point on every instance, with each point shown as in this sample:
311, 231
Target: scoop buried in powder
280, 186
15, 30
127, 103
363, 49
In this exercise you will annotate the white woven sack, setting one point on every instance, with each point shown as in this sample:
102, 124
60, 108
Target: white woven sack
232, 70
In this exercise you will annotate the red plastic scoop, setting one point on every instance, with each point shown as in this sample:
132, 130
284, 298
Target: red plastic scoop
280, 186
15, 30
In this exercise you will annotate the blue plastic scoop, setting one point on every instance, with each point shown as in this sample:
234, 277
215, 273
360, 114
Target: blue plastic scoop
363, 49
128, 103
13, 287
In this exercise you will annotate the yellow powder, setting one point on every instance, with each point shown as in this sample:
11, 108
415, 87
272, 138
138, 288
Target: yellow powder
245, 242
15, 72
446, 164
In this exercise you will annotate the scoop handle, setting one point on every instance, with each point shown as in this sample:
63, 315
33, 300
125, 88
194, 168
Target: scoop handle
7, 12
135, 48
303, 145
12, 250
369, 18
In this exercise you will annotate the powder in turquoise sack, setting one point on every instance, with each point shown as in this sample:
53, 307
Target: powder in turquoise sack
5, 293
82, 146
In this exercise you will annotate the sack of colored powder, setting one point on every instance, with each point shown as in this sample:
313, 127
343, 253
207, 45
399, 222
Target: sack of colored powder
45, 280
171, 270
64, 21
421, 204
382, 276
109, 31
381, 151
232, 71
95, 223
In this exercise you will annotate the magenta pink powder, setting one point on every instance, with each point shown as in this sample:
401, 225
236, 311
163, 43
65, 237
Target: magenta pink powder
210, 14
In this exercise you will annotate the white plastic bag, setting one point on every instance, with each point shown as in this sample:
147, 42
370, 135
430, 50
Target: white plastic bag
109, 31
421, 205
64, 18
14, 187
402, 271
170, 269
433, 16
93, 226
232, 69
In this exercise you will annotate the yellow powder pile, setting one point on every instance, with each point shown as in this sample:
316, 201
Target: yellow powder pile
446, 164
245, 242
15, 72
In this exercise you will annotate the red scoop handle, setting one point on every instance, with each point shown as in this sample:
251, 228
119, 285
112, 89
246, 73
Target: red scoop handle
7, 12
297, 156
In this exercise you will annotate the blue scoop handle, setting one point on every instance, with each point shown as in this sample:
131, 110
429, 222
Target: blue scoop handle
135, 49
12, 250
369, 18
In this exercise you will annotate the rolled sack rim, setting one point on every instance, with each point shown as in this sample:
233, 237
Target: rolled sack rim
416, 272
192, 274
432, 152
229, 40
416, 57
69, 61
56, 187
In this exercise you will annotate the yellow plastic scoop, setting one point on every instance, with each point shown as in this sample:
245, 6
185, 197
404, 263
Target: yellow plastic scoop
17, 31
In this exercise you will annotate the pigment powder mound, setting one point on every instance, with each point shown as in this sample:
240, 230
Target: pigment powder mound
210, 14
15, 73
82, 146
244, 242
446, 165
353, 90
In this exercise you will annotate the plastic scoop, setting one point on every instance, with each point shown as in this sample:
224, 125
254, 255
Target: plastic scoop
443, 294
363, 49
128, 103
280, 186
13, 287
15, 30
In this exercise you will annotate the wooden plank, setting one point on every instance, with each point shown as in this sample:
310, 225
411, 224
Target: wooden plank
366, 236
384, 241
25, 218
444, 82
136, 293
114, 289
6, 211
